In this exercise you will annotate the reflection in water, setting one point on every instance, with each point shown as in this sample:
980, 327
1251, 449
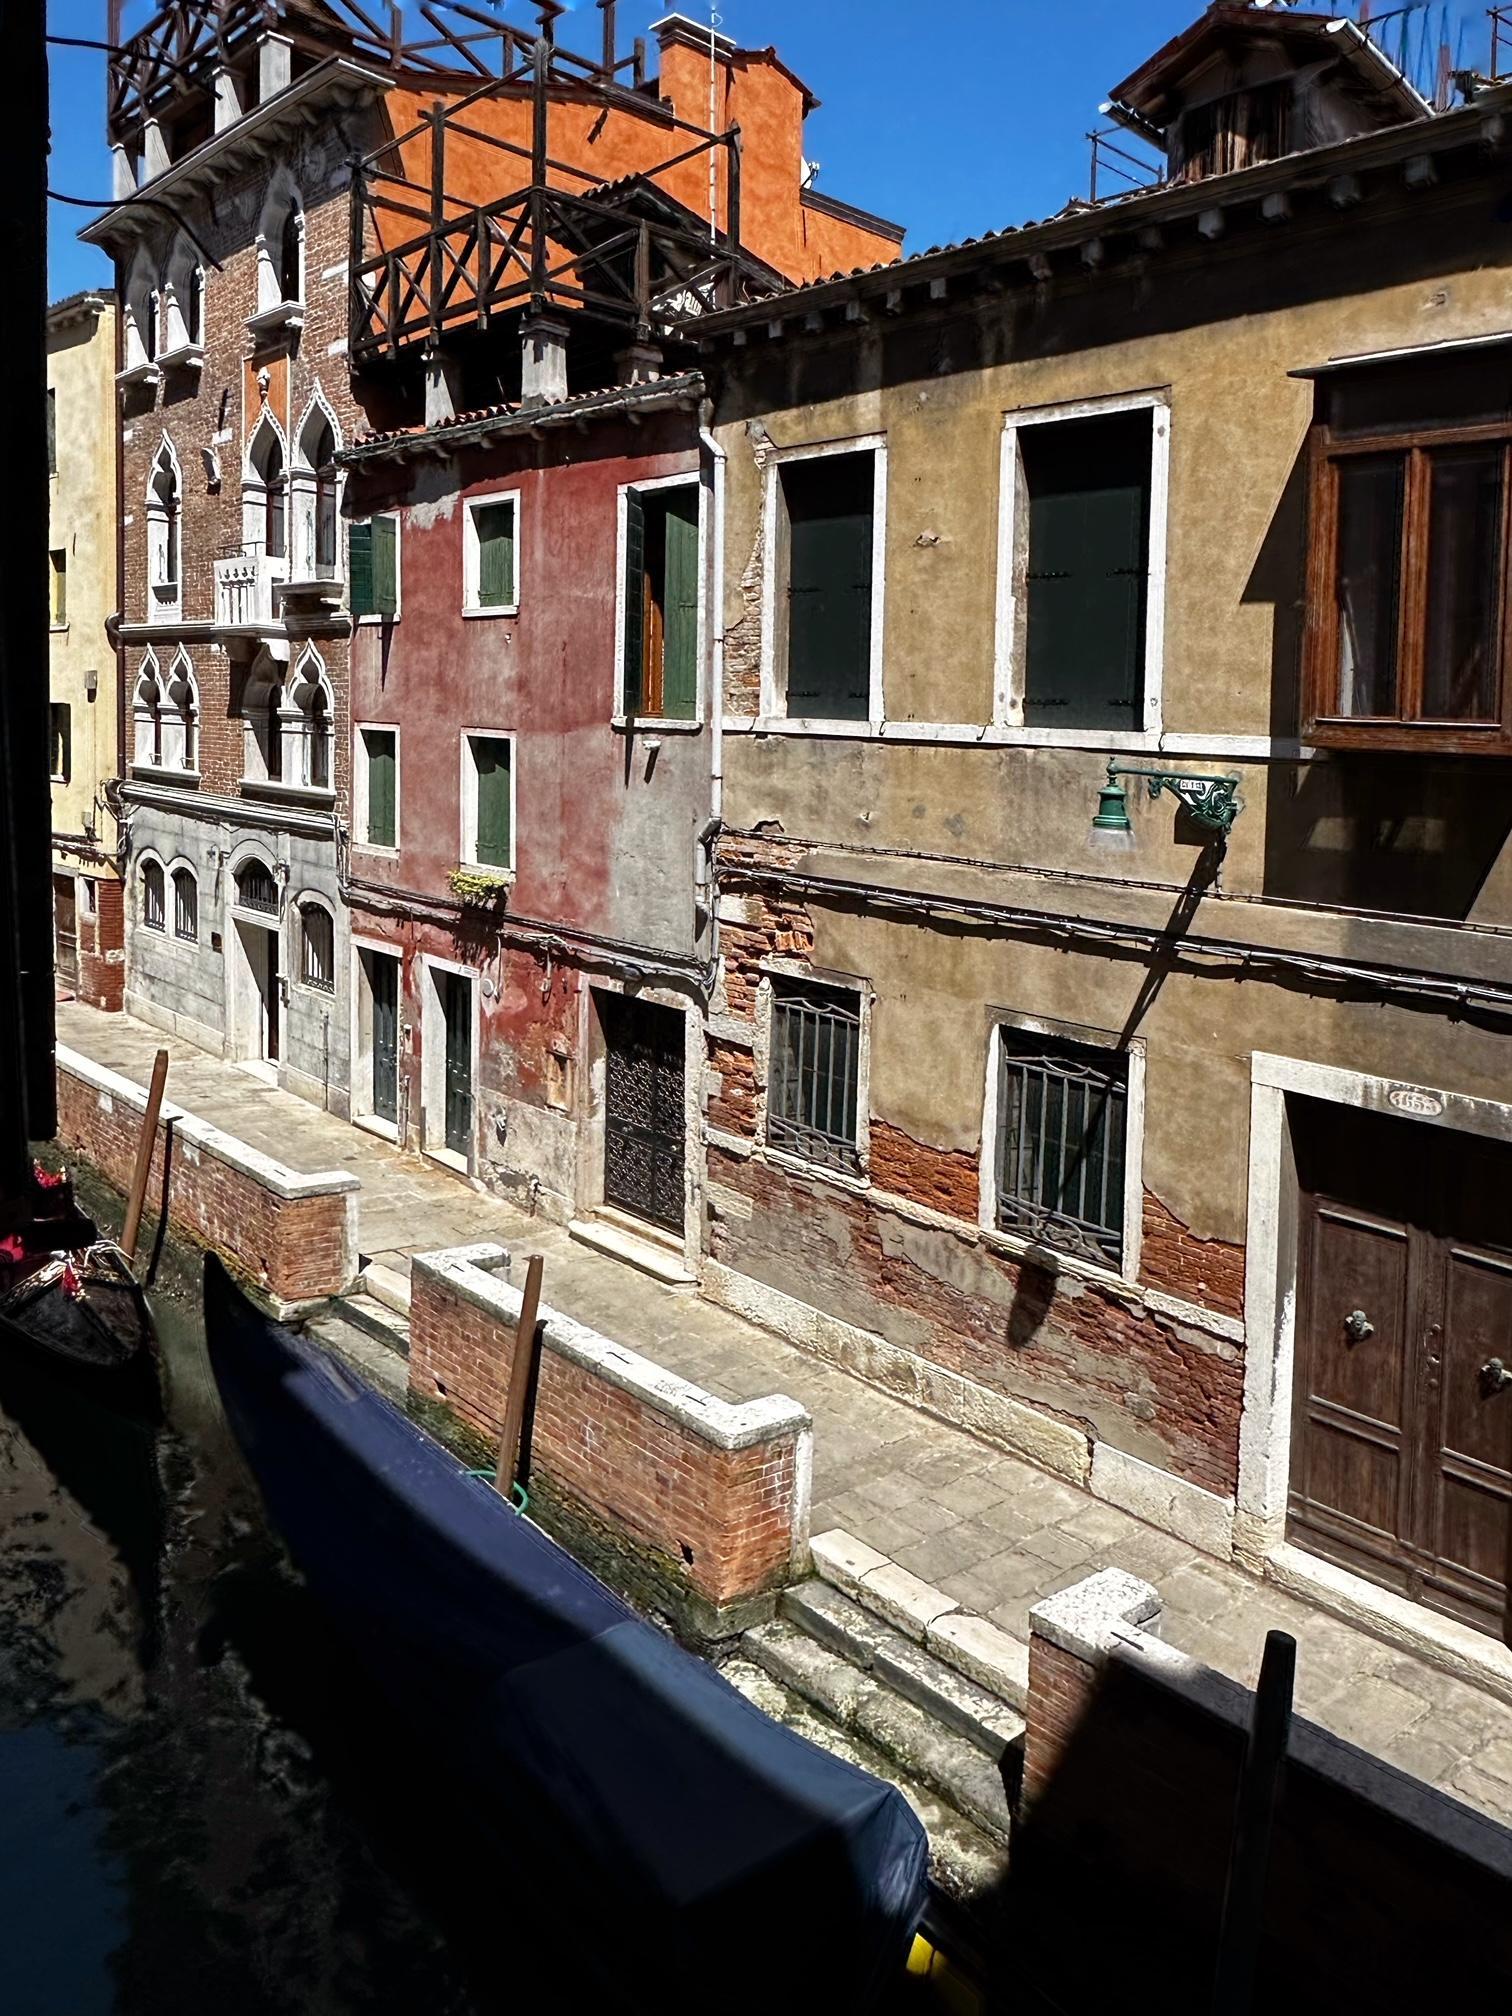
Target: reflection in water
202, 1807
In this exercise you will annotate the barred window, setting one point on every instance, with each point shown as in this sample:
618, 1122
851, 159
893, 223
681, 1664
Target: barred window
318, 960
816, 1048
1062, 1114
185, 904
256, 889
152, 896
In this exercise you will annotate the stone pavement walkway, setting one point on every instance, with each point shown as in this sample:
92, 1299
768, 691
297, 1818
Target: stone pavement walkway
994, 1533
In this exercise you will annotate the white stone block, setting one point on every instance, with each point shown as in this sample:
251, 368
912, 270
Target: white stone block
983, 1653
1199, 1517
842, 1559
907, 1603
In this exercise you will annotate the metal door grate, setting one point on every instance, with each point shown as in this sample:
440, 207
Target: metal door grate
1062, 1113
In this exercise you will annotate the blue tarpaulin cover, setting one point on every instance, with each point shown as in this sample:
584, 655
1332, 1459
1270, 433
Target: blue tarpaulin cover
728, 1848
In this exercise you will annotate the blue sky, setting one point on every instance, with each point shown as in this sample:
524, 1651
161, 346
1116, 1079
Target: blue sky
953, 119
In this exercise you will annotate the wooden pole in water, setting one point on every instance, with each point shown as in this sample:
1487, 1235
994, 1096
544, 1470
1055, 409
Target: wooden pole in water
145, 1143
1241, 1932
521, 1369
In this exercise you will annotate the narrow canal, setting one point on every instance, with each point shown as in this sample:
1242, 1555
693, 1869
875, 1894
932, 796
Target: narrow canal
202, 1806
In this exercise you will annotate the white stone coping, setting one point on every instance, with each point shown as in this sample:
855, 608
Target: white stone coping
475, 1274
1099, 1618
188, 1128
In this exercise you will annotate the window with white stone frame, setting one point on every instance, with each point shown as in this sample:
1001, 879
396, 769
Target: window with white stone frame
823, 580
164, 532
315, 495
813, 1104
1062, 1142
147, 715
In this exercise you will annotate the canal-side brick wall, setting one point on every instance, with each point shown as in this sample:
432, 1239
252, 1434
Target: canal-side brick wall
697, 1504
291, 1235
1132, 1753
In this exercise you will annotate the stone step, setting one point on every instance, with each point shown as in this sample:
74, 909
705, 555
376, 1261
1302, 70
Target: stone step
388, 1286
378, 1363
910, 1669
967, 1865
860, 1702
977, 1649
378, 1319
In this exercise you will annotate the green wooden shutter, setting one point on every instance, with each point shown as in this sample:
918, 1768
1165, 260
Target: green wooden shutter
491, 755
360, 570
680, 606
386, 566
52, 432
380, 787
494, 525
635, 602
1086, 579
829, 503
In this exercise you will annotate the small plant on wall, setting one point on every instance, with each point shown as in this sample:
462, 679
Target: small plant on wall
480, 888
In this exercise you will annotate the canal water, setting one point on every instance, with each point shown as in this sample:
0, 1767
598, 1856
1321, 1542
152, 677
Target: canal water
202, 1805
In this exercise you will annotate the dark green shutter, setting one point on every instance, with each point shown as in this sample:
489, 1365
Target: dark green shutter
385, 566
829, 500
1089, 507
380, 791
495, 528
635, 602
360, 570
491, 755
680, 605
52, 432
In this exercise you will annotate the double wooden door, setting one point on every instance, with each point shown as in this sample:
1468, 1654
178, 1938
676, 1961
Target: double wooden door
65, 930
1402, 1436
645, 1119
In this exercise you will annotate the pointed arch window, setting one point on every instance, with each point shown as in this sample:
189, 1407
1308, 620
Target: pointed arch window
179, 738
310, 706
164, 528
314, 491
264, 712
291, 256
147, 708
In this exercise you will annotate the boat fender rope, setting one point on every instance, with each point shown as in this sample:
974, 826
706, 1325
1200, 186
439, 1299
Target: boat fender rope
516, 1491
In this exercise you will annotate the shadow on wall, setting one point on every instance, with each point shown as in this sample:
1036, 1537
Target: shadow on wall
1389, 833
1123, 1857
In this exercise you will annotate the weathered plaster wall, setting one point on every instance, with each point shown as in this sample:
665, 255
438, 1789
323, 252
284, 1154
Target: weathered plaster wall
604, 820
1362, 860
81, 520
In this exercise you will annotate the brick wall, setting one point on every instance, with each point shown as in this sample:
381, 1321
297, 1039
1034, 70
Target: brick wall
102, 940
210, 417
294, 1236
714, 1497
1381, 1892
1095, 1356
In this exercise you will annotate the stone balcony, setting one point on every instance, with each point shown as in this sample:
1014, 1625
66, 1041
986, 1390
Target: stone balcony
246, 591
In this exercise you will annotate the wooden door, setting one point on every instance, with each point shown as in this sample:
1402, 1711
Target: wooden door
1402, 1441
456, 1007
644, 1119
65, 930
383, 981
1466, 1451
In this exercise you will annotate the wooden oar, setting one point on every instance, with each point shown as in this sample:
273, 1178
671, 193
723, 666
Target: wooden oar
145, 1143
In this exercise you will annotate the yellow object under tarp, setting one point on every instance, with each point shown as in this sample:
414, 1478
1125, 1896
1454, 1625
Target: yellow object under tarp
948, 1987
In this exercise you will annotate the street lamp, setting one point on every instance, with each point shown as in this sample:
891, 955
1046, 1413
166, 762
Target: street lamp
1212, 802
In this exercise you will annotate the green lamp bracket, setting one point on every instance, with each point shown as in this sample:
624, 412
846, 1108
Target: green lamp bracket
1211, 801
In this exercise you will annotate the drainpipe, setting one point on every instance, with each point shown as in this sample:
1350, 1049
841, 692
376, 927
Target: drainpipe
703, 864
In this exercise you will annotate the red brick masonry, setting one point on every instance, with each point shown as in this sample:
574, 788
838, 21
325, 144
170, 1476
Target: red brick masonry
718, 1494
292, 1235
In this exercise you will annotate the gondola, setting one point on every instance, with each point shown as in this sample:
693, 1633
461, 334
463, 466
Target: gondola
704, 1850
68, 1294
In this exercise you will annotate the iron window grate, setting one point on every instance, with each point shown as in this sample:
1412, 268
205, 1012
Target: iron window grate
816, 1051
256, 890
1063, 1112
